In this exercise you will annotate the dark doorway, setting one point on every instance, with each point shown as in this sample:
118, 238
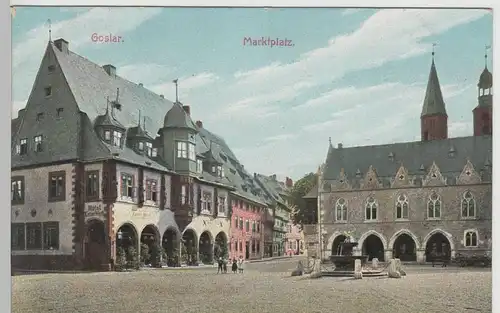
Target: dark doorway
404, 248
336, 246
373, 247
170, 245
190, 248
220, 247
95, 245
149, 241
206, 248
437, 248
127, 246
247, 250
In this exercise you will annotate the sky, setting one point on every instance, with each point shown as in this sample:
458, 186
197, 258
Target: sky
357, 76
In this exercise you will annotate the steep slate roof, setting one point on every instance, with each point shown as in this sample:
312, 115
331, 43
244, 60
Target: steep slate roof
176, 117
412, 155
273, 187
433, 101
313, 193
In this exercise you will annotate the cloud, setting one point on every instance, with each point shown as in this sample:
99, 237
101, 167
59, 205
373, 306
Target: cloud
186, 85
352, 11
460, 128
146, 73
281, 137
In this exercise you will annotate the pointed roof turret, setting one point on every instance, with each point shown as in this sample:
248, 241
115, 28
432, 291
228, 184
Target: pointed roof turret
433, 101
139, 131
486, 78
107, 119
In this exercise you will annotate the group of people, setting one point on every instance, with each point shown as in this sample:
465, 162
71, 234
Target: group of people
237, 265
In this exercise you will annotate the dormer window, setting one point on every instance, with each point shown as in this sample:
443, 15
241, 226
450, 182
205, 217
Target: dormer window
154, 152
149, 149
214, 169
199, 166
141, 146
220, 171
107, 135
117, 138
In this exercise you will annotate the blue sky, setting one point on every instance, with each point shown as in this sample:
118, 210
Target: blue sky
355, 75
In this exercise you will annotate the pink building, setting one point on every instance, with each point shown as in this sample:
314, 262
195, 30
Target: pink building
294, 240
246, 232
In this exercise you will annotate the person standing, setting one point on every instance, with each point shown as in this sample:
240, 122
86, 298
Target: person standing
224, 265
235, 266
241, 262
219, 268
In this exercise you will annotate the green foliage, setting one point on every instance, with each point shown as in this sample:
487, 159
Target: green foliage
156, 254
299, 190
145, 255
132, 258
121, 259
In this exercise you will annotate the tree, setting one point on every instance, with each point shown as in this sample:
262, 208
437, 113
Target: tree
302, 187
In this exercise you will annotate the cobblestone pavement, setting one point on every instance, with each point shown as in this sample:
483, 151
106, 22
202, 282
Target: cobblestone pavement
264, 287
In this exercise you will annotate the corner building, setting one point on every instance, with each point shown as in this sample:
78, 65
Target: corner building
404, 199
100, 163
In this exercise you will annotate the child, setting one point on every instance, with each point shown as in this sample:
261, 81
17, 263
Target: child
235, 266
224, 266
240, 264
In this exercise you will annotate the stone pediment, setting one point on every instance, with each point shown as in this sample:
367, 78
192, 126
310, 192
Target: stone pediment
469, 175
434, 177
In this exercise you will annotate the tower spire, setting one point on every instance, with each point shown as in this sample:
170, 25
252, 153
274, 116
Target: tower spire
175, 81
486, 48
50, 29
433, 51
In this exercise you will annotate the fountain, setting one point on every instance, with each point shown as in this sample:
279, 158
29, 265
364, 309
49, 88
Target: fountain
344, 260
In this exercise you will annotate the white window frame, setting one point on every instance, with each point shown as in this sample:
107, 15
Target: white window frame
149, 148
372, 204
340, 206
206, 202
431, 206
221, 209
38, 143
107, 135
182, 150
199, 166
183, 194
117, 138
219, 171
191, 151
470, 205
129, 180
471, 233
154, 152
401, 202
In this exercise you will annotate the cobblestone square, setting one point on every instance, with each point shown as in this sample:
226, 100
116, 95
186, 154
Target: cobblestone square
264, 287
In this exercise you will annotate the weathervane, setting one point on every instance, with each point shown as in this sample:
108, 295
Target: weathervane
175, 81
50, 29
486, 48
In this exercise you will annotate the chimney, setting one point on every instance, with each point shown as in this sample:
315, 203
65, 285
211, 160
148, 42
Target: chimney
289, 182
141, 85
20, 113
187, 109
162, 96
62, 45
199, 124
110, 69
339, 146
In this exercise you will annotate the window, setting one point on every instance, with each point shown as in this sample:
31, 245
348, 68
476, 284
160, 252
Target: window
39, 117
117, 138
141, 146
258, 247
92, 185
51, 235
183, 194
221, 205
341, 210
213, 169
107, 135
247, 225
57, 186
182, 149
470, 238
258, 227
371, 209
149, 148
38, 144
51, 68
127, 186
402, 207
154, 152
206, 202
48, 91
219, 171
152, 190
59, 111
23, 146
192, 152
468, 205
33, 236
241, 223
17, 231
199, 166
241, 246
434, 206
253, 227
17, 190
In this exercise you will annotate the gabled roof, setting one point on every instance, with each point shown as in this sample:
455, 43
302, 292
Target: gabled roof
177, 117
313, 193
273, 187
433, 101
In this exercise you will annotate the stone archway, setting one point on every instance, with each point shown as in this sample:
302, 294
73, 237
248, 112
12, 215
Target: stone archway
373, 244
220, 246
336, 244
150, 246
127, 246
404, 245
170, 244
96, 245
438, 246
189, 247
205, 247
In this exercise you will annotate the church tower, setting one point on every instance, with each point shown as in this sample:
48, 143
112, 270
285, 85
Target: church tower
483, 112
433, 120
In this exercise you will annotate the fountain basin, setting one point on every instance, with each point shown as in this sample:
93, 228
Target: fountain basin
346, 262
